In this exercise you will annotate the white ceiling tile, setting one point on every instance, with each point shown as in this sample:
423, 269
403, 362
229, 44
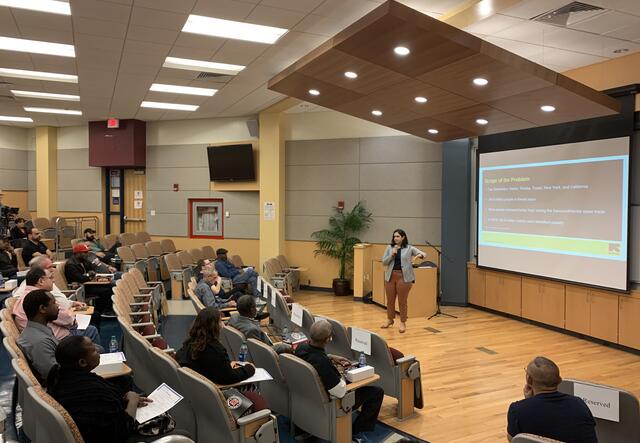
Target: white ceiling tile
225, 9
631, 46
281, 18
607, 22
437, 7
156, 35
35, 19
493, 24
92, 42
626, 6
183, 6
293, 5
64, 36
18, 60
579, 41
157, 50
101, 10
323, 25
351, 10
528, 32
192, 53
50, 63
94, 26
7, 23
211, 44
237, 52
531, 8
168, 74
154, 18
626, 33
569, 59
522, 49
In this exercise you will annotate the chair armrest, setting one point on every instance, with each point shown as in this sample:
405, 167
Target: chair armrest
144, 296
264, 413
346, 403
358, 384
139, 304
151, 336
168, 351
405, 359
140, 313
142, 325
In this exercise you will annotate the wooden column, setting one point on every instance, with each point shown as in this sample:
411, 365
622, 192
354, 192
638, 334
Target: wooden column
46, 171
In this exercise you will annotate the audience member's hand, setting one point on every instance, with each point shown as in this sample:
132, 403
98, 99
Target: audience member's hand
341, 360
527, 391
78, 304
144, 401
111, 269
132, 397
100, 254
233, 303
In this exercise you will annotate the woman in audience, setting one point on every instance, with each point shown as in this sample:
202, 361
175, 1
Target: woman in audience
399, 276
97, 407
18, 233
203, 352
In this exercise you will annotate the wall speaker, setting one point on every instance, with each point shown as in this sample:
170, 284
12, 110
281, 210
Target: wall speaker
253, 127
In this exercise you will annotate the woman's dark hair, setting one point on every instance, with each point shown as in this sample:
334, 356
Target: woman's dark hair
68, 352
19, 220
204, 330
405, 240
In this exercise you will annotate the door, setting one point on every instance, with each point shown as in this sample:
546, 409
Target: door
135, 199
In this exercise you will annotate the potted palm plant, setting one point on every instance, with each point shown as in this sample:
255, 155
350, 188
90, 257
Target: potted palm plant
338, 240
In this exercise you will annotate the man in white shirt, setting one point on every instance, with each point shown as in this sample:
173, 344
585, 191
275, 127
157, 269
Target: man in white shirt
44, 262
369, 398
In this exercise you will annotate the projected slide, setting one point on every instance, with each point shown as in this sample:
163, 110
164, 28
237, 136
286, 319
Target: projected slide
557, 211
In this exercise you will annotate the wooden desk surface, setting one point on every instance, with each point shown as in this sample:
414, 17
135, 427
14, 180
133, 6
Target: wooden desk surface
99, 282
88, 311
126, 370
4, 290
363, 382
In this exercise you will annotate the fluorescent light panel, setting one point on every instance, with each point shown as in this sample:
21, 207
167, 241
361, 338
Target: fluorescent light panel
46, 95
190, 90
36, 47
54, 111
216, 27
201, 65
52, 6
38, 75
174, 106
10, 118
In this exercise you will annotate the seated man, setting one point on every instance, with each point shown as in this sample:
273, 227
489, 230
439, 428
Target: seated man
208, 288
37, 340
369, 397
8, 259
244, 322
105, 255
34, 247
65, 324
44, 262
239, 276
547, 412
78, 269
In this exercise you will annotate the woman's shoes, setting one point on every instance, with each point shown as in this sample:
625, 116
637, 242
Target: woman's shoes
387, 324
402, 328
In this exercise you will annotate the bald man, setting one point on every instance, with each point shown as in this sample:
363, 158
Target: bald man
367, 397
547, 412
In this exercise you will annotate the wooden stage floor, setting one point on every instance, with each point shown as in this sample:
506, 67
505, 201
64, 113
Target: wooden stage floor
473, 366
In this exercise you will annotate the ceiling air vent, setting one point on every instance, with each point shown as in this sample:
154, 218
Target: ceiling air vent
210, 75
569, 14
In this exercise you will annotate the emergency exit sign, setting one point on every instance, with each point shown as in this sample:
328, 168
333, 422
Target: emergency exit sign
113, 123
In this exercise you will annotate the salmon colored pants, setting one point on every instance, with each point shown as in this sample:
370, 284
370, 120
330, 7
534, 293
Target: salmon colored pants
396, 286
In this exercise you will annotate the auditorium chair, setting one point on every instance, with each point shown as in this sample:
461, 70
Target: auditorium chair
236, 261
155, 250
43, 225
142, 237
340, 343
295, 275
399, 379
195, 301
165, 370
109, 240
280, 314
186, 259
64, 232
135, 347
26, 379
213, 419
628, 428
312, 409
127, 238
129, 259
235, 339
179, 275
167, 246
208, 252
152, 264
530, 438
9, 342
146, 286
307, 321
276, 392
196, 254
22, 266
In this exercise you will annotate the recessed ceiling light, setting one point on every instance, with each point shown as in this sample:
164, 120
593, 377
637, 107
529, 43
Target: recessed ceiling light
46, 95
350, 74
201, 65
421, 99
217, 27
10, 118
480, 81
36, 47
314, 92
548, 108
190, 90
401, 50
52, 6
54, 111
38, 75
433, 131
376, 112
173, 106
482, 121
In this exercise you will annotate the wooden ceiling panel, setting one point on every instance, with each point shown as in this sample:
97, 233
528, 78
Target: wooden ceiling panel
441, 66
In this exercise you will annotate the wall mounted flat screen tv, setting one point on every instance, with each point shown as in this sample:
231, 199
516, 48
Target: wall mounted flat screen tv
231, 163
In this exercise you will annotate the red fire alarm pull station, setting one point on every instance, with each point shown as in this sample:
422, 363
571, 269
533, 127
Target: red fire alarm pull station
341, 204
113, 123
176, 187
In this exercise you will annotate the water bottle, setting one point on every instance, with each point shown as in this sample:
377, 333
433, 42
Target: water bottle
244, 351
285, 333
362, 361
113, 344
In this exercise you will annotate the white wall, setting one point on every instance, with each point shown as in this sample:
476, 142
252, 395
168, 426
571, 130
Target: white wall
200, 131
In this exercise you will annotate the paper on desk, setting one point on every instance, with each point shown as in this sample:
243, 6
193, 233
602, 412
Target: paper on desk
261, 374
164, 398
112, 357
83, 321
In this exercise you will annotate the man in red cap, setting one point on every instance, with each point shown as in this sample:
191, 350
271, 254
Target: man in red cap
78, 269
